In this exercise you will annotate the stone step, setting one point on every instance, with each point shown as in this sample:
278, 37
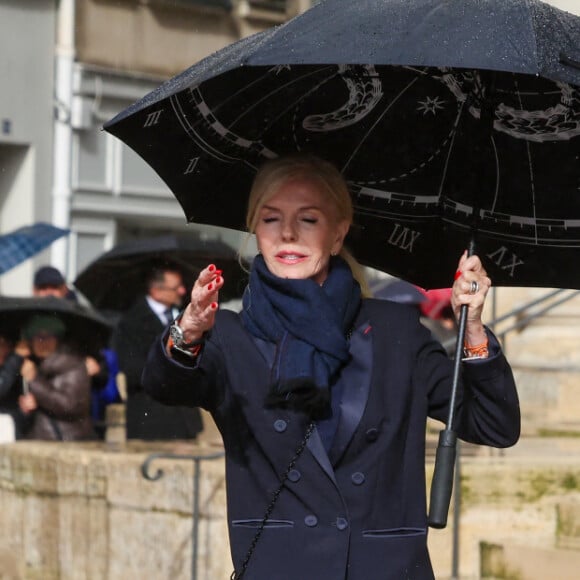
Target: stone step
568, 527
509, 561
508, 299
553, 339
549, 398
545, 346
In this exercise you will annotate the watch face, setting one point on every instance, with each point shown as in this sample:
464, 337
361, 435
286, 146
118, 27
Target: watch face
176, 334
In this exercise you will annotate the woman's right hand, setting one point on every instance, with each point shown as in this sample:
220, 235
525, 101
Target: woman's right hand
199, 315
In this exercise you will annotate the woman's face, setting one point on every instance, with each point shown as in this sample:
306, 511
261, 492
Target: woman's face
298, 230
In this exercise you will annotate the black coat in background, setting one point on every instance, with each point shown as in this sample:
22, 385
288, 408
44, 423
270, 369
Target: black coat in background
146, 418
10, 391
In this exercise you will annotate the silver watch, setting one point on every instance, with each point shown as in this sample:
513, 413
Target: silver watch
176, 333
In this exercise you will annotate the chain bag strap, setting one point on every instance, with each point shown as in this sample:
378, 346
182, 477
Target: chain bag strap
237, 575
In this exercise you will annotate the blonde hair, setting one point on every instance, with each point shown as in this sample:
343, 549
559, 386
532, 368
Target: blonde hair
273, 174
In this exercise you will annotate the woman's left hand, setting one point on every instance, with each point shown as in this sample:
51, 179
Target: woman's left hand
471, 287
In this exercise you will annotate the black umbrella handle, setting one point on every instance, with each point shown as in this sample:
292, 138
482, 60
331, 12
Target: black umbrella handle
442, 483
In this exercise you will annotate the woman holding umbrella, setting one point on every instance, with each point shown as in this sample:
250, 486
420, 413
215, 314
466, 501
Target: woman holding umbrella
322, 394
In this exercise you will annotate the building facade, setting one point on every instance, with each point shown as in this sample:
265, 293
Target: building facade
66, 67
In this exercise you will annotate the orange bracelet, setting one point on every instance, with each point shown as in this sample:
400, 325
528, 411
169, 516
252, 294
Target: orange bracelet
478, 351
193, 351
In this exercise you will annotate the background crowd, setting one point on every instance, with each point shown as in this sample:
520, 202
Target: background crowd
55, 385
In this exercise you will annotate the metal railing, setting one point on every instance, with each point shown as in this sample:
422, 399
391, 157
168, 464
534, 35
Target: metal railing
524, 315
197, 459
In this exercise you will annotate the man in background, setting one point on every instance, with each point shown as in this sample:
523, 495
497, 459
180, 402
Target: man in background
132, 338
48, 281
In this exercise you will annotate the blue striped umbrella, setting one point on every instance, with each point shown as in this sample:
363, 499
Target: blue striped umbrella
25, 242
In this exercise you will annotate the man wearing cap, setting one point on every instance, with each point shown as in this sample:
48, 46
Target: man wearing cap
48, 281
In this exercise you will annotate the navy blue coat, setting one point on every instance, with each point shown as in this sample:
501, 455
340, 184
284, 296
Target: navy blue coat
357, 512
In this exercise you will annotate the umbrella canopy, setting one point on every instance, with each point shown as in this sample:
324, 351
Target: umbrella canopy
25, 242
449, 120
86, 329
116, 279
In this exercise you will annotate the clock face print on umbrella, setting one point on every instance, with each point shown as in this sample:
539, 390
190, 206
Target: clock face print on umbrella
434, 155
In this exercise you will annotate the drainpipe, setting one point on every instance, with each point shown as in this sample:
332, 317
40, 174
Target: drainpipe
62, 145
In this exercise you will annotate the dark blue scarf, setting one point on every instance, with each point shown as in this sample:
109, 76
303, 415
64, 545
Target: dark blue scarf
309, 325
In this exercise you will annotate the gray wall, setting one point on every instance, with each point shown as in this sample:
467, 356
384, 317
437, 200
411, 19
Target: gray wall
26, 109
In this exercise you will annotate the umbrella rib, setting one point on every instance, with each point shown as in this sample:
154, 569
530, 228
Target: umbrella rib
191, 128
379, 119
446, 165
497, 174
531, 169
281, 88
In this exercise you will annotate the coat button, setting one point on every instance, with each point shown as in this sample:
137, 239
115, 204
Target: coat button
280, 425
372, 434
294, 475
358, 478
341, 524
311, 520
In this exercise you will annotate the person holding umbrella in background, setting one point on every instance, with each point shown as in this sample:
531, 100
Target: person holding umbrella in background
48, 281
101, 366
322, 394
59, 388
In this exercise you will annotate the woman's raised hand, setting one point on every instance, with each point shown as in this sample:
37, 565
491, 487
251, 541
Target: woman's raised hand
199, 316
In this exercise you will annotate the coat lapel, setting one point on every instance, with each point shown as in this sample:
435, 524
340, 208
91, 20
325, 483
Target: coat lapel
357, 381
316, 447
292, 426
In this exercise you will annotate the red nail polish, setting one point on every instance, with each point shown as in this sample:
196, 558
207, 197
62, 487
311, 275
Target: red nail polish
213, 305
210, 286
457, 274
211, 268
218, 280
219, 272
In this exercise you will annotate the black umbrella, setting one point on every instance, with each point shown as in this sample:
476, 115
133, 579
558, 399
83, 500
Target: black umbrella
86, 329
454, 122
445, 117
115, 279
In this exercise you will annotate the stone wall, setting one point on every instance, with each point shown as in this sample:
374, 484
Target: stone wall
75, 511
84, 511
